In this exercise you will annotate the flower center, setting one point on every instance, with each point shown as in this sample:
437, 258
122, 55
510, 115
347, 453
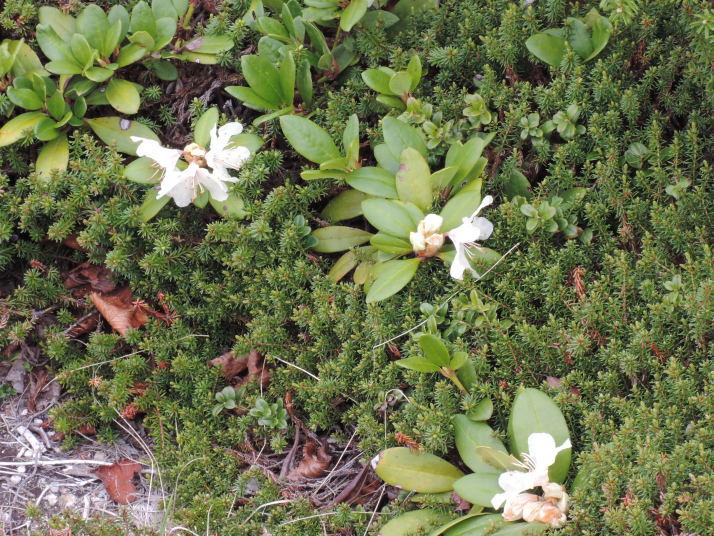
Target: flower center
194, 153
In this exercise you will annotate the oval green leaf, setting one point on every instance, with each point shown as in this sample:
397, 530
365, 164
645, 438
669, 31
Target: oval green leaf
54, 155
392, 217
374, 181
123, 96
309, 139
469, 435
415, 471
391, 277
118, 131
345, 206
412, 523
414, 179
478, 488
339, 238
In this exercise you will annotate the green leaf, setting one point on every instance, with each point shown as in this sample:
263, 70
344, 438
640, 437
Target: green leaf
468, 436
400, 83
24, 98
462, 205
165, 31
123, 96
263, 78
377, 80
372, 180
56, 105
392, 217
418, 363
476, 526
469, 161
478, 488
303, 81
482, 411
92, 22
497, 459
143, 171
81, 50
547, 48
352, 14
412, 523
391, 277
64, 25
131, 53
414, 179
210, 44
46, 129
163, 8
515, 183
386, 159
202, 130
441, 179
521, 529
151, 205
118, 131
434, 350
342, 266
18, 126
533, 411
601, 30
391, 102
339, 238
181, 6
345, 206
309, 139
421, 472
51, 44
287, 78
64, 67
119, 13
98, 74
399, 136
351, 132
26, 61
391, 244
414, 70
142, 19
144, 39
231, 208
458, 360
249, 97
164, 70
54, 155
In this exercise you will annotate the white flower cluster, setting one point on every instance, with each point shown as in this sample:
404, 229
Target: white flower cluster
184, 185
552, 506
427, 241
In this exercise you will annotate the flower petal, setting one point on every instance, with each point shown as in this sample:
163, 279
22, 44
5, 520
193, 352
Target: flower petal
164, 157
460, 263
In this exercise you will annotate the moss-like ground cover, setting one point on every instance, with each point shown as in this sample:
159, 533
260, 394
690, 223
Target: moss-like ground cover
615, 325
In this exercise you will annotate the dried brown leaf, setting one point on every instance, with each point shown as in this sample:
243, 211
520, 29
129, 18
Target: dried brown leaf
88, 277
229, 365
315, 460
119, 310
117, 479
252, 363
67, 531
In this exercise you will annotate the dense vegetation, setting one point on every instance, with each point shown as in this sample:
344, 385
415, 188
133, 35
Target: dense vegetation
605, 304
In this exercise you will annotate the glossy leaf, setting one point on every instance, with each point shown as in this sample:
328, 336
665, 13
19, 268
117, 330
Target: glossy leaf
64, 25
309, 139
264, 79
418, 363
476, 526
345, 206
521, 529
373, 180
249, 97
202, 130
411, 523
392, 217
151, 205
399, 136
287, 78
421, 472
547, 48
533, 411
391, 244
233, 207
342, 266
92, 23
434, 349
24, 98
413, 179
482, 411
478, 488
143, 171
123, 96
339, 238
118, 131
462, 205
377, 80
391, 277
469, 435
18, 126
352, 14
54, 155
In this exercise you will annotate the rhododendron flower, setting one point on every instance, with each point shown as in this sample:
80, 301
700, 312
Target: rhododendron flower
184, 185
427, 241
465, 238
540, 456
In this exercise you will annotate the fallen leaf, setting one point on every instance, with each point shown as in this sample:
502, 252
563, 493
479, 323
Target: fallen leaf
61, 532
315, 461
71, 242
119, 310
16, 375
117, 479
38, 381
88, 277
252, 363
553, 383
359, 489
83, 325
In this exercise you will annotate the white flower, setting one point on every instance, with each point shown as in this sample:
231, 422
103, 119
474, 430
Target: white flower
184, 186
513, 511
165, 158
540, 456
221, 158
465, 236
427, 240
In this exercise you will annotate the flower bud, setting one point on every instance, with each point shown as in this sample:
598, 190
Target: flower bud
552, 490
513, 511
551, 514
427, 241
531, 511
